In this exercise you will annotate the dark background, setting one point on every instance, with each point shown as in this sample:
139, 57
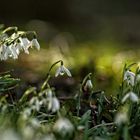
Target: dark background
99, 18
64, 11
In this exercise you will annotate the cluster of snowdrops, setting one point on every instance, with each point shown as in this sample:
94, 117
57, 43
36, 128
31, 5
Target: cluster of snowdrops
39, 114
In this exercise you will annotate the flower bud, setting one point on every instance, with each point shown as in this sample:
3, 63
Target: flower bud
63, 128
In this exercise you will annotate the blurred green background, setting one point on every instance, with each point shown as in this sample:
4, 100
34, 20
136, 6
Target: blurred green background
97, 36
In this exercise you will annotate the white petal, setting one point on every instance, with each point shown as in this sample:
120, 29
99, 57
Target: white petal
25, 43
49, 93
134, 97
129, 77
58, 71
13, 51
121, 118
125, 97
36, 44
55, 104
18, 48
88, 84
67, 71
63, 126
50, 104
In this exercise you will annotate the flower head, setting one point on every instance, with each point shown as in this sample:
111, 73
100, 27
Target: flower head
88, 85
54, 104
62, 70
121, 118
129, 77
35, 104
35, 43
63, 127
130, 95
25, 44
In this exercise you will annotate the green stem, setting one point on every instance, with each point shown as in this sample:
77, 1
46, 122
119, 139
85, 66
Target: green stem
49, 76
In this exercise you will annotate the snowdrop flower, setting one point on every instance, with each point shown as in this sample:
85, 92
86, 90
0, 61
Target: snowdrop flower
35, 104
132, 96
4, 52
88, 85
26, 113
63, 127
121, 118
48, 93
18, 48
25, 43
13, 53
35, 43
129, 77
53, 104
61, 70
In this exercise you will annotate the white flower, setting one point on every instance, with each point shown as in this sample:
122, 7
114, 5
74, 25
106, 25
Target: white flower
3, 51
25, 43
35, 43
48, 93
61, 70
53, 104
63, 127
88, 85
121, 118
35, 104
26, 113
18, 48
132, 96
13, 54
129, 77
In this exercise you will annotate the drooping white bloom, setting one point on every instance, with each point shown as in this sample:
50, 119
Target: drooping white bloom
35, 43
63, 127
62, 70
121, 118
49, 93
53, 104
13, 52
129, 77
88, 85
3, 52
11, 47
130, 95
25, 43
134, 97
18, 48
35, 104
26, 113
